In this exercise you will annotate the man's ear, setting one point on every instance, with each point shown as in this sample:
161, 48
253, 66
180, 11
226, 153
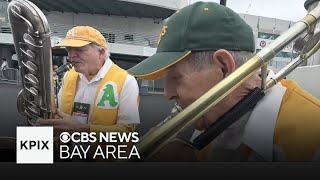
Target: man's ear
102, 52
225, 61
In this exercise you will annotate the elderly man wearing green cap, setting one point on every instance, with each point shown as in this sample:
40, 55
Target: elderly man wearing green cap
199, 46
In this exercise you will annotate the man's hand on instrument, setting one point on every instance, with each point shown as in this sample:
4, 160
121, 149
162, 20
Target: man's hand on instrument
65, 123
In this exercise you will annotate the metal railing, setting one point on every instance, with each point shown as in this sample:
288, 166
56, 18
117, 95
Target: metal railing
10, 75
150, 87
111, 35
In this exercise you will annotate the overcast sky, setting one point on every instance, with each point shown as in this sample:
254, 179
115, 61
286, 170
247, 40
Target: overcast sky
291, 10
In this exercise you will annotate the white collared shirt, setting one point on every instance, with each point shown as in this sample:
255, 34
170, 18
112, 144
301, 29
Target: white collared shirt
256, 129
259, 130
128, 107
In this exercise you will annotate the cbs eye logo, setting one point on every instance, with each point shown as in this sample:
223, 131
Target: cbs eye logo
65, 137
78, 137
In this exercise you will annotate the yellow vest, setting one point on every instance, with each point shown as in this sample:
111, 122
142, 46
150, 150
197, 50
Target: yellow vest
297, 129
99, 116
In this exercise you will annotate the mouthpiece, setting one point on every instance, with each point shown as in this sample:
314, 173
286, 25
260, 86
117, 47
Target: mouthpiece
63, 68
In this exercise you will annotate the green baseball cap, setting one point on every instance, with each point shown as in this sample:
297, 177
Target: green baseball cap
201, 26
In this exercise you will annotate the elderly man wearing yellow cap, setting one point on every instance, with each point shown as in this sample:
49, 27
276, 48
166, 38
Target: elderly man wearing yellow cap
199, 46
96, 95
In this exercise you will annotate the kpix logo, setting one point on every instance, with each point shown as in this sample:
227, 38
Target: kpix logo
34, 145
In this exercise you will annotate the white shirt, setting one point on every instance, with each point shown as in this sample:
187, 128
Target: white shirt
128, 108
255, 130
4, 65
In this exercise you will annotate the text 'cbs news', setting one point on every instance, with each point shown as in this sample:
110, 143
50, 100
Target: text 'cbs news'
37, 145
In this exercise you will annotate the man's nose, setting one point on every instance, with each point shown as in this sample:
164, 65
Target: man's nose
170, 91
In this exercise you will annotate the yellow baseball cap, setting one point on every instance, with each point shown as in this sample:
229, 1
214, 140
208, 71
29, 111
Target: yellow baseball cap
82, 35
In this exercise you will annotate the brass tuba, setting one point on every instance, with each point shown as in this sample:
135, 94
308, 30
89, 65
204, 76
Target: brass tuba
306, 37
31, 35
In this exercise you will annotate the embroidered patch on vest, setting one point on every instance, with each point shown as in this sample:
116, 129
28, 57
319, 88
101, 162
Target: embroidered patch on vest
108, 96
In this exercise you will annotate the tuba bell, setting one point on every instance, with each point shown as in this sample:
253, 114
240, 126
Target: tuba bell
31, 36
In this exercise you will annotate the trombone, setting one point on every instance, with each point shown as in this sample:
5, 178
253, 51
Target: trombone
307, 43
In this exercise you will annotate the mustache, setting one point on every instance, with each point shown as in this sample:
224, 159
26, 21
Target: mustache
73, 62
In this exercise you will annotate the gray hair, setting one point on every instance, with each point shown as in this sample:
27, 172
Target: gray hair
107, 55
203, 59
